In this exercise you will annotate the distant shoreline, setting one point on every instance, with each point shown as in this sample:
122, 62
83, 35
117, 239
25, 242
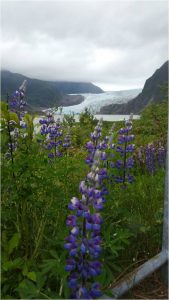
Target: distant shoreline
108, 118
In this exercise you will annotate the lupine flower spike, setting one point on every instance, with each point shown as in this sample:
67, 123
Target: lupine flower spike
161, 156
18, 103
124, 149
67, 139
52, 131
150, 158
93, 143
84, 241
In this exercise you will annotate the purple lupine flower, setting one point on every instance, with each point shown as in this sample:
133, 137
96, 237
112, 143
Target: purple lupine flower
119, 164
118, 179
161, 156
150, 158
102, 174
83, 187
23, 124
18, 102
130, 148
71, 221
74, 204
70, 264
95, 290
84, 241
130, 178
90, 146
103, 156
112, 164
67, 141
120, 149
102, 145
52, 132
51, 155
129, 162
124, 149
12, 146
89, 160
73, 280
97, 132
93, 145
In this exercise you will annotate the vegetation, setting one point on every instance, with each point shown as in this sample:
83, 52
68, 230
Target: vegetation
36, 192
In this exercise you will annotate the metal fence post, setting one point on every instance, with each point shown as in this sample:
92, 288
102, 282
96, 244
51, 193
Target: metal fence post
164, 269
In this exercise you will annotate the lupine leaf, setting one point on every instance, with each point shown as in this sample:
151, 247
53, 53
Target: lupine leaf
13, 243
12, 264
32, 276
28, 290
13, 116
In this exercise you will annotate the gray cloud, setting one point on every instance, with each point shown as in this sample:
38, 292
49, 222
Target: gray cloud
115, 42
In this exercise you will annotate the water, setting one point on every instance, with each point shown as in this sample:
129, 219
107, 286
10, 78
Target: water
95, 101
112, 118
116, 118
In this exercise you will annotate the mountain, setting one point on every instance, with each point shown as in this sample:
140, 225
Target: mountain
152, 92
44, 94
77, 87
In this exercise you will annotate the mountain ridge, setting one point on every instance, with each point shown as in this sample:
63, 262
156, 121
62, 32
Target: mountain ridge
151, 92
43, 93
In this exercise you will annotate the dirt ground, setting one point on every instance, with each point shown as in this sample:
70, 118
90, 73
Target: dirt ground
151, 288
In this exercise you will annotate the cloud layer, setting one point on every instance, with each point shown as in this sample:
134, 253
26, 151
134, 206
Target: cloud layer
118, 43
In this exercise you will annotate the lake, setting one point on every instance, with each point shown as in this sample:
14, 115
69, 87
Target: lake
113, 118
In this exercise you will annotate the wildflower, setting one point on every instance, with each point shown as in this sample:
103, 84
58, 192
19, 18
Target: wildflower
18, 102
150, 158
52, 132
161, 156
93, 145
124, 148
84, 241
67, 141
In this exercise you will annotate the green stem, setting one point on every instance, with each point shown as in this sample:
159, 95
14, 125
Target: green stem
44, 295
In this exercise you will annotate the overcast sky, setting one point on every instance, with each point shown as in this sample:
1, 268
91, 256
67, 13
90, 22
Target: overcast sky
115, 44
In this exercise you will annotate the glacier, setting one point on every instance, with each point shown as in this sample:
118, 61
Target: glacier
95, 101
